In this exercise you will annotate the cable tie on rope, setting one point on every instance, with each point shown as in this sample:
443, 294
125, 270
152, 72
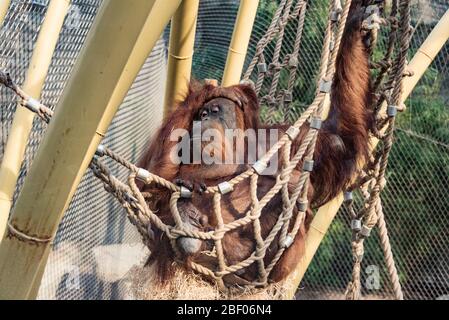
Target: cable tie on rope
33, 105
325, 86
259, 167
225, 188
143, 175
293, 133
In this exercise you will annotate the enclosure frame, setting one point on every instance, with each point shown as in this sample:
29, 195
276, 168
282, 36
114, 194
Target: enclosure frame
4, 6
180, 53
23, 118
238, 47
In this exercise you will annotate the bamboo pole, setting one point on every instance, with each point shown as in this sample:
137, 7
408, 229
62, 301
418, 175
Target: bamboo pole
123, 35
327, 213
182, 39
239, 42
4, 5
23, 119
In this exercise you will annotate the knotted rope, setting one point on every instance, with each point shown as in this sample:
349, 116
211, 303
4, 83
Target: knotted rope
371, 212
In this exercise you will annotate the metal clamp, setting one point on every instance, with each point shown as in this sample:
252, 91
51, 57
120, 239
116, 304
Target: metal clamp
293, 133
325, 86
356, 225
293, 62
303, 206
225, 188
143, 175
288, 96
316, 123
259, 167
365, 232
287, 243
335, 15
100, 151
33, 105
185, 193
332, 45
392, 111
349, 196
262, 68
308, 165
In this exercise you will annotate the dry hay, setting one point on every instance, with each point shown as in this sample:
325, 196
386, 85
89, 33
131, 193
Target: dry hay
185, 286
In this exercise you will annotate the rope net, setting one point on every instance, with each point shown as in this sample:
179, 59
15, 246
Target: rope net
388, 86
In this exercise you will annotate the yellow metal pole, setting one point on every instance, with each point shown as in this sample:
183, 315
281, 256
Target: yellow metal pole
4, 5
239, 42
180, 52
327, 213
23, 119
123, 35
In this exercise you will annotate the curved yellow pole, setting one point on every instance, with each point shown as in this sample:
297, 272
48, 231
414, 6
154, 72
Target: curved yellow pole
4, 5
239, 42
23, 119
180, 53
121, 38
327, 213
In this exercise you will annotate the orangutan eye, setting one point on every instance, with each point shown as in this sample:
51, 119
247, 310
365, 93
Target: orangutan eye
215, 109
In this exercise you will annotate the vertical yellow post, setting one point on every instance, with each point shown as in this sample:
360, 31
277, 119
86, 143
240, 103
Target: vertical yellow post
23, 119
326, 214
122, 36
239, 42
4, 5
180, 52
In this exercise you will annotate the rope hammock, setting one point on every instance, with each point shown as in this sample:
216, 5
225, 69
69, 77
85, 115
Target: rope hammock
387, 87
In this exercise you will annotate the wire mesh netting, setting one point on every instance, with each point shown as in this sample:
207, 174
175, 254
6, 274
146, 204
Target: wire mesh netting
93, 219
95, 242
